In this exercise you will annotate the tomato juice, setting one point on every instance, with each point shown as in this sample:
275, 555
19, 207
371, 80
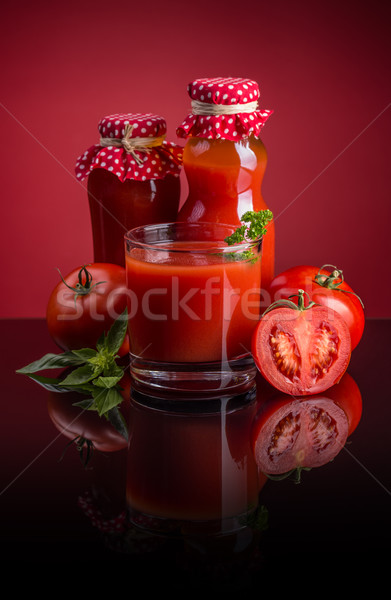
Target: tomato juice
192, 302
116, 207
193, 308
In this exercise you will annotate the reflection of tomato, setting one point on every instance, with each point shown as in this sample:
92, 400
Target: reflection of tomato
76, 423
304, 432
348, 396
326, 287
86, 303
301, 350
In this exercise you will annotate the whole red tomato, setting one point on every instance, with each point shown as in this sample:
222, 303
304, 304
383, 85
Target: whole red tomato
85, 303
300, 349
326, 286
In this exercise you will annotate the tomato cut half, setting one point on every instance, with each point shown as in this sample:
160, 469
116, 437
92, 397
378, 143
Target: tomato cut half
301, 351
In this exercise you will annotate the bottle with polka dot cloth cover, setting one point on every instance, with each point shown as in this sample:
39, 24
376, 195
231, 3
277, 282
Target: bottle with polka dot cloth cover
224, 158
133, 180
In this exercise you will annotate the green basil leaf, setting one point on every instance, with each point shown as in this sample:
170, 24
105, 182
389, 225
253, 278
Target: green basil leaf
80, 375
116, 333
117, 420
107, 382
85, 354
100, 344
106, 399
52, 361
86, 404
54, 384
49, 383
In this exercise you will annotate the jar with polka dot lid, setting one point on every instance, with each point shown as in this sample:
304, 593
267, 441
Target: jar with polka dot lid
133, 180
224, 158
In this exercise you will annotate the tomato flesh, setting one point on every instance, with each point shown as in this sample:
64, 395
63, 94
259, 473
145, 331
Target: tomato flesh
302, 352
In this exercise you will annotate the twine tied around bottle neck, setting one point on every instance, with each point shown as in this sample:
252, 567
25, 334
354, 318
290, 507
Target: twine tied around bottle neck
132, 144
206, 108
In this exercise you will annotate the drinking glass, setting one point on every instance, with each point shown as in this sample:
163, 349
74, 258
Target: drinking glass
193, 304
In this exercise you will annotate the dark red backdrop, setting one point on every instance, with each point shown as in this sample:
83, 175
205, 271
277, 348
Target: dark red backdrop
322, 66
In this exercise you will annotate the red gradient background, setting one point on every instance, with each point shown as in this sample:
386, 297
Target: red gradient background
323, 67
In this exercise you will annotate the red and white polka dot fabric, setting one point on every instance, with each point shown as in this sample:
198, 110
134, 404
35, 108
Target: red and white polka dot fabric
228, 95
127, 162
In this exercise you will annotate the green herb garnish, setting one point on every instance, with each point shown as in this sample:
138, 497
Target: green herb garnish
94, 373
253, 228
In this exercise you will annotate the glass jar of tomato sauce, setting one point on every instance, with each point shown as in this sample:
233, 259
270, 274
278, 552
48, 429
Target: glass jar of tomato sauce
133, 180
224, 158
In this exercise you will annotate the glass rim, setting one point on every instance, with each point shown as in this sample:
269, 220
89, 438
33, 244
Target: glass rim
216, 244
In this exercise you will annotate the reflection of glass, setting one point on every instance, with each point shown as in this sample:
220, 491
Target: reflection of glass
190, 465
193, 306
293, 433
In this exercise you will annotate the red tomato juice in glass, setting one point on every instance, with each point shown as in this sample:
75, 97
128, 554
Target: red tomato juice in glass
193, 303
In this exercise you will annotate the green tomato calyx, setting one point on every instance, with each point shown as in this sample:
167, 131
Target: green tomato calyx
83, 286
333, 280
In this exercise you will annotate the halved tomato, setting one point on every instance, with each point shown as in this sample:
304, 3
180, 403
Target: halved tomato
301, 349
290, 434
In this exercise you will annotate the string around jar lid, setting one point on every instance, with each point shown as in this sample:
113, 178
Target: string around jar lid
132, 144
207, 108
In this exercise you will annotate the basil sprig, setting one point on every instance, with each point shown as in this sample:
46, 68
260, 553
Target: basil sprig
94, 372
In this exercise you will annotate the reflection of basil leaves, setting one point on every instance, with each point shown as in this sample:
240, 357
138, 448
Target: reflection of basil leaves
246, 255
95, 373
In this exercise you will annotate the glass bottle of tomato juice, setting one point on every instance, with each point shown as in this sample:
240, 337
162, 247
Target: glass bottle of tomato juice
133, 180
224, 158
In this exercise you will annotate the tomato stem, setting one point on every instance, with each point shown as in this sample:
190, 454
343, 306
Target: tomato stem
331, 281
296, 472
288, 303
81, 288
300, 300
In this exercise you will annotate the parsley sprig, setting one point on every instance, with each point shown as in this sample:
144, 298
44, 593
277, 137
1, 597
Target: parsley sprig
94, 373
253, 228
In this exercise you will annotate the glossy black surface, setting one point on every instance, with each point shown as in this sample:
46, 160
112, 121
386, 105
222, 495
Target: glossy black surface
337, 518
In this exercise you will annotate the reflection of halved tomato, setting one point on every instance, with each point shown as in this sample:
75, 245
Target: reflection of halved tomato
305, 432
301, 349
347, 395
86, 426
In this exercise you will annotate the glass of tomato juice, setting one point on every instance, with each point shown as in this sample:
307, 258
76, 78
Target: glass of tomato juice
193, 304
